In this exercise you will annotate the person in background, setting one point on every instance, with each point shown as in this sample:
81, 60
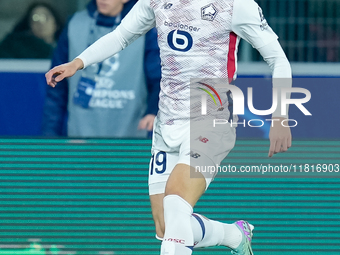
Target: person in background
115, 98
35, 34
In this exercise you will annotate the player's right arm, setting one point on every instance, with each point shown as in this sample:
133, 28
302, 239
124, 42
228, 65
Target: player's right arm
136, 23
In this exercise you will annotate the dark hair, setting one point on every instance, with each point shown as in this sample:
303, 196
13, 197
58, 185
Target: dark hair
24, 23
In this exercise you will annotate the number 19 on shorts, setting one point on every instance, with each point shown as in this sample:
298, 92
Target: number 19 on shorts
158, 163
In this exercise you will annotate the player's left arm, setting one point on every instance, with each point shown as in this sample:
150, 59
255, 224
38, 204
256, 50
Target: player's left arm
280, 136
249, 23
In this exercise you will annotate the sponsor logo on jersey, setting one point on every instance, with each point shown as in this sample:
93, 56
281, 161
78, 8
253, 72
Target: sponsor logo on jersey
180, 40
264, 23
181, 26
167, 6
209, 12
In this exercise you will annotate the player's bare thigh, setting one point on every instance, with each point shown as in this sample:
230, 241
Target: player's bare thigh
179, 183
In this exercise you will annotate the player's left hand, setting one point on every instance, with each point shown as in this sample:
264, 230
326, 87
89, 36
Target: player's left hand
147, 122
280, 138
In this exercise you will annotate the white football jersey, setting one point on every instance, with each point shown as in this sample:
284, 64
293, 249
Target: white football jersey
197, 39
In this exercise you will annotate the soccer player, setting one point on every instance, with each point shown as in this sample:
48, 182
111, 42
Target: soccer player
197, 39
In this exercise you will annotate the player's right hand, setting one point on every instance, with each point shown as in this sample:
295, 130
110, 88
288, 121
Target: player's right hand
61, 72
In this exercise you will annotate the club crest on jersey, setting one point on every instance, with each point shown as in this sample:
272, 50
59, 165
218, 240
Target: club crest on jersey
209, 12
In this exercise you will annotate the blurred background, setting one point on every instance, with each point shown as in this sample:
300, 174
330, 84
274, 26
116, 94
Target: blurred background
12, 10
308, 30
89, 196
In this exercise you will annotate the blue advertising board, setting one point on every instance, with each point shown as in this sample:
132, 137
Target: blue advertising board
22, 95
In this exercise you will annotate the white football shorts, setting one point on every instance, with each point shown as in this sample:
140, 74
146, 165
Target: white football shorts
201, 145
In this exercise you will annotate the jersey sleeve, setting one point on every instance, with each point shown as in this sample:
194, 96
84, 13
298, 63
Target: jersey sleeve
275, 57
249, 23
136, 23
140, 19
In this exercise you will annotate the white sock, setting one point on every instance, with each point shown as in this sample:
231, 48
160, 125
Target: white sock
178, 237
212, 233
